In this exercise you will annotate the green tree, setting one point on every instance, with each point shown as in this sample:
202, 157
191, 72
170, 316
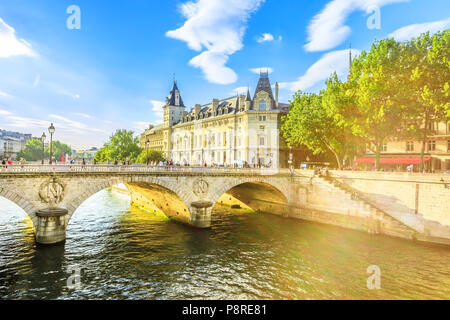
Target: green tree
32, 151
311, 124
102, 155
58, 148
377, 85
122, 145
426, 65
153, 155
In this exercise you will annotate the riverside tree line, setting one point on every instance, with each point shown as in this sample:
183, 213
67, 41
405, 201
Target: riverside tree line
394, 90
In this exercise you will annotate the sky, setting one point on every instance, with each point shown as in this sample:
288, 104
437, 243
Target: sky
92, 67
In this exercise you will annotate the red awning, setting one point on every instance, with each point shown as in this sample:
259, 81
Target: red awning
397, 160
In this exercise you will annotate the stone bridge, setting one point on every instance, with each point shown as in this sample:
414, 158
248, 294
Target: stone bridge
51, 194
400, 205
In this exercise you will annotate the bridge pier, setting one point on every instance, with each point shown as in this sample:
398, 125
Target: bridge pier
201, 214
51, 225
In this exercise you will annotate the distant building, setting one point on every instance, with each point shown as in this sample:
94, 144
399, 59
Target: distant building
12, 143
223, 132
397, 154
84, 154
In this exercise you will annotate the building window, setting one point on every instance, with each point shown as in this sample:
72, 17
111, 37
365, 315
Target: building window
261, 141
262, 105
384, 147
262, 118
410, 146
431, 145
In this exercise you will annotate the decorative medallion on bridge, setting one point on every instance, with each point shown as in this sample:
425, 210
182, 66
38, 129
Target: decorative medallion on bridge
52, 191
200, 187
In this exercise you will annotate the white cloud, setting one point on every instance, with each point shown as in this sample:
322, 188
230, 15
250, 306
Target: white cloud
10, 45
75, 126
268, 37
265, 37
72, 123
258, 70
62, 91
239, 90
141, 125
83, 115
328, 30
217, 27
336, 61
157, 108
4, 112
25, 122
5, 95
415, 30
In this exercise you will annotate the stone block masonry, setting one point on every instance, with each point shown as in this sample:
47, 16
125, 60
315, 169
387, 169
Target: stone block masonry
408, 206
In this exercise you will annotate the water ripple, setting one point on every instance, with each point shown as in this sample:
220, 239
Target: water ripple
126, 253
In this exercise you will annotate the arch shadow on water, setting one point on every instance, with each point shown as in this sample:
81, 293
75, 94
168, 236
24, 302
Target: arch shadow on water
254, 197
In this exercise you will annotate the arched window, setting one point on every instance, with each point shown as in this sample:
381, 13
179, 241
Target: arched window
262, 105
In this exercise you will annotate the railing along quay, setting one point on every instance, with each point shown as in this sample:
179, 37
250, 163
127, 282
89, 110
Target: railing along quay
134, 168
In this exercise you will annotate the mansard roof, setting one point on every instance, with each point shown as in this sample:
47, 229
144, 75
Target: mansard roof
171, 98
264, 84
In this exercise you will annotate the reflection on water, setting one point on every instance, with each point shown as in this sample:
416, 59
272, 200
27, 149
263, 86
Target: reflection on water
126, 253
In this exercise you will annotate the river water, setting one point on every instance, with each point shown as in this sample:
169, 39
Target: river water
127, 253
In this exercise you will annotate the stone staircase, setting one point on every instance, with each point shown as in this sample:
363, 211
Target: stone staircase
381, 222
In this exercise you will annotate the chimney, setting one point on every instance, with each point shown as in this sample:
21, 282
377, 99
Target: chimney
276, 94
197, 109
215, 104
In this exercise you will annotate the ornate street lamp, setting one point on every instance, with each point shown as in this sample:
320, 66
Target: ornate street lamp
43, 146
146, 145
51, 130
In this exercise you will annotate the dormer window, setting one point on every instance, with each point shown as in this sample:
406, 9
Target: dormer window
262, 105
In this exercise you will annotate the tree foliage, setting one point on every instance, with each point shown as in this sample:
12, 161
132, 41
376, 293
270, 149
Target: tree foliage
33, 150
122, 145
427, 74
395, 90
148, 156
310, 122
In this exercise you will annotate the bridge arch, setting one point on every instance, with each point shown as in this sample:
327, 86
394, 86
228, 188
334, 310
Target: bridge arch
21, 202
255, 194
173, 195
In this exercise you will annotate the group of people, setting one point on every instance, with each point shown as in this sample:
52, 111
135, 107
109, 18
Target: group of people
9, 162
6, 163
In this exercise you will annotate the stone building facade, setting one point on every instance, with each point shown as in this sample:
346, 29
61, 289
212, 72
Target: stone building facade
234, 131
12, 143
397, 154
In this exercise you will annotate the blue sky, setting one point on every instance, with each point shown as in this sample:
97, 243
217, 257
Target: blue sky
116, 70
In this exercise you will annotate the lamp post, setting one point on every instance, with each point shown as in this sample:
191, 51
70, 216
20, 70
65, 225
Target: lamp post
51, 130
43, 146
146, 145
